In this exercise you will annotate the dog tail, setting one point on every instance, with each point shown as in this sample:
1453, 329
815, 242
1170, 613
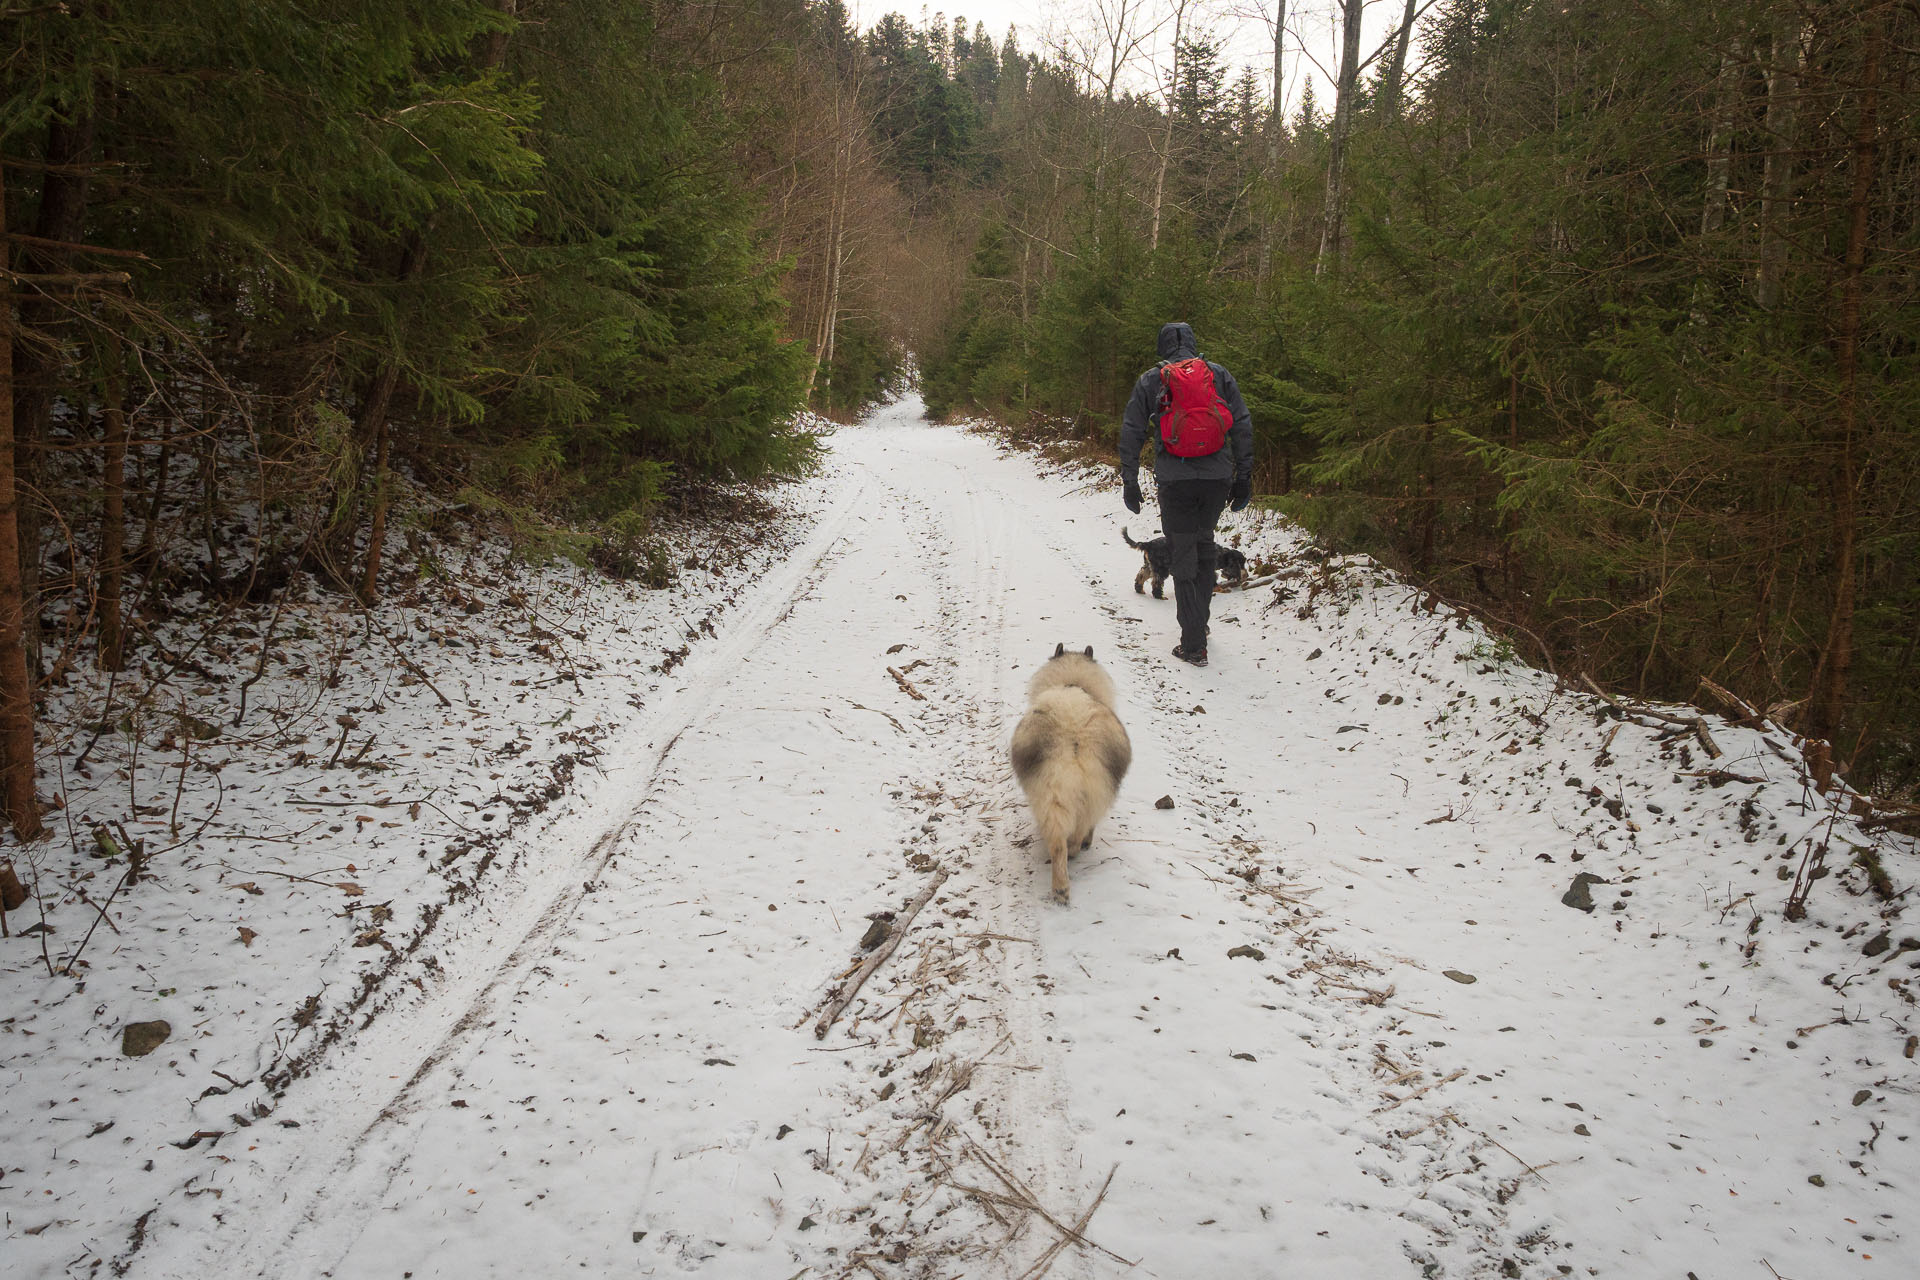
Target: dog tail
1056, 815
1130, 542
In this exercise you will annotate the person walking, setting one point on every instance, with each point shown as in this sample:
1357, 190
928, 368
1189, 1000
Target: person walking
1204, 463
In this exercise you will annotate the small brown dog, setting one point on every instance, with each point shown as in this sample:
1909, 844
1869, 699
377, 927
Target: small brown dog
1158, 565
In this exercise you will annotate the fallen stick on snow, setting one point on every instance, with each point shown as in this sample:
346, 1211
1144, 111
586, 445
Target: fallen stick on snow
1024, 1197
1044, 1263
1693, 724
890, 720
1720, 777
1535, 1171
906, 685
851, 987
1735, 701
1425, 1088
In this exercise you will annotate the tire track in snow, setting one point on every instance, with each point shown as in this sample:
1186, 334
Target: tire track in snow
1000, 1099
1414, 1150
353, 1105
1411, 1155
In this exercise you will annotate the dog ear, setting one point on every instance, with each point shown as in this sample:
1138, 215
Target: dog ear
1089, 651
1059, 649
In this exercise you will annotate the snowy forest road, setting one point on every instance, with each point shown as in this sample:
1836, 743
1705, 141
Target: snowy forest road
1234, 1055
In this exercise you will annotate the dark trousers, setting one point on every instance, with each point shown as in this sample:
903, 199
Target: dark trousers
1188, 512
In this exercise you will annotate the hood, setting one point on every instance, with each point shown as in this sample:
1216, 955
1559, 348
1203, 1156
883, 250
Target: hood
1176, 341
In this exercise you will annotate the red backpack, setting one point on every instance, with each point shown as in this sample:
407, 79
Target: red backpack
1193, 417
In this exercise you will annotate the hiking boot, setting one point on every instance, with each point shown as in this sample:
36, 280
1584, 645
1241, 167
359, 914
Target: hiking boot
1198, 657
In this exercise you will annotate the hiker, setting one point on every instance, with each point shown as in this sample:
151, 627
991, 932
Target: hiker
1193, 407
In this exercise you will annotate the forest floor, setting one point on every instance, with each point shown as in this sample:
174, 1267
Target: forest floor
512, 966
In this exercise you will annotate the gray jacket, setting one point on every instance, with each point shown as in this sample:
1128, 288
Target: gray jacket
1142, 421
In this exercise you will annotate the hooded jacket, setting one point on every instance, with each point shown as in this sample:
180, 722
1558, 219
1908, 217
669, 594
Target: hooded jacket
1142, 420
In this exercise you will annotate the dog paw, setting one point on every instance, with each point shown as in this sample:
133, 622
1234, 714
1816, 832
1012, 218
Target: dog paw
1060, 896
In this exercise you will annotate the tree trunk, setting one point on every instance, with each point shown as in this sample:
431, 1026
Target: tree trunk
1333, 218
1826, 703
111, 568
1726, 103
838, 183
1026, 322
372, 427
210, 505
1276, 121
495, 51
1392, 84
36, 361
1429, 500
836, 260
148, 554
16, 693
1166, 142
377, 524
1776, 179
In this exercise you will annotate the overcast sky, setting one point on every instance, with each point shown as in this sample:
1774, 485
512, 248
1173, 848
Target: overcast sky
1313, 46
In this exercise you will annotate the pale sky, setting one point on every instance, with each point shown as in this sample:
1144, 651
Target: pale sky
1313, 44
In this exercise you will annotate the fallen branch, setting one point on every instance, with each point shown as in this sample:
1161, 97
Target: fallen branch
424, 678
890, 720
354, 804
851, 987
1523, 1164
66, 965
906, 685
1425, 1088
74, 278
1640, 714
1028, 1200
1720, 777
1900, 819
1044, 1263
288, 875
1756, 718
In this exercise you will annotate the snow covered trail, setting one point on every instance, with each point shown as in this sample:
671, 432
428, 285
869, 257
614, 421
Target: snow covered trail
1323, 1016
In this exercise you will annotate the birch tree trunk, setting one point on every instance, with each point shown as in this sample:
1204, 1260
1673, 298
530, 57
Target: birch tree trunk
1333, 219
1166, 142
1726, 102
836, 260
829, 271
1392, 86
1276, 119
1776, 179
1117, 44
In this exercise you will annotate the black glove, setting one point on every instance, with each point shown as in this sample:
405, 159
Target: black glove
1242, 493
1131, 493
